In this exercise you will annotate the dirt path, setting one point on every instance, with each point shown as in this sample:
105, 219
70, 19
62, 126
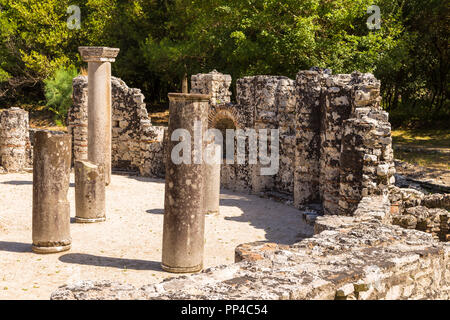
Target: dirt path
127, 247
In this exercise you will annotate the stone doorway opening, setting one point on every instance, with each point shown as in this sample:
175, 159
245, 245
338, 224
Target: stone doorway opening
223, 118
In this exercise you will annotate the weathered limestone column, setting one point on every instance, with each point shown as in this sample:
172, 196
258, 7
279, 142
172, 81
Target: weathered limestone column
51, 176
212, 178
89, 192
184, 216
14, 136
99, 105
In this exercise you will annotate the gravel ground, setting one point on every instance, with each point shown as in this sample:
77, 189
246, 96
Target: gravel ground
127, 247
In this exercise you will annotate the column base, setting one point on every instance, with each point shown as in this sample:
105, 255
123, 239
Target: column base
87, 220
182, 269
46, 250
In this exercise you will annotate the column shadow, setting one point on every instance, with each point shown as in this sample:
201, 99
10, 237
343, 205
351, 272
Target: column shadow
120, 263
282, 224
15, 246
27, 183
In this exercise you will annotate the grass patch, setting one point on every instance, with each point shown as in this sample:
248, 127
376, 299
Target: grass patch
437, 161
422, 138
433, 147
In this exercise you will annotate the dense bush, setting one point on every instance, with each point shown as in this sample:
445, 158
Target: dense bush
58, 92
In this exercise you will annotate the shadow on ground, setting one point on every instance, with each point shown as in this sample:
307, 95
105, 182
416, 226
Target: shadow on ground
155, 211
26, 183
282, 224
99, 261
15, 246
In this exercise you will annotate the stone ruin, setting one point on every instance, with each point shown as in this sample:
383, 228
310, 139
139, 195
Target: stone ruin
137, 145
335, 144
335, 156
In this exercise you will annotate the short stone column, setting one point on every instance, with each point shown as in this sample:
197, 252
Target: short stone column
99, 105
14, 137
89, 193
184, 216
51, 177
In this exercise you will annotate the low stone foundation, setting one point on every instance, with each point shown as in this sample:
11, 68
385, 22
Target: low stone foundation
359, 257
429, 213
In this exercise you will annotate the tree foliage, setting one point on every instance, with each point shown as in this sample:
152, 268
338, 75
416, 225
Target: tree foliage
161, 40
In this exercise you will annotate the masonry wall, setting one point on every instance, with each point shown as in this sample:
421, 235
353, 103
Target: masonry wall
334, 140
136, 143
321, 117
349, 258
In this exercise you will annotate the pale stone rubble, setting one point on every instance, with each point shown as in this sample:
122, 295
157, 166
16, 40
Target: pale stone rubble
415, 210
358, 257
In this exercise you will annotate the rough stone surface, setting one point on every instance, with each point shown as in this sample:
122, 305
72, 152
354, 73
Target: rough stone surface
335, 141
214, 83
136, 144
14, 140
184, 209
89, 192
352, 258
51, 209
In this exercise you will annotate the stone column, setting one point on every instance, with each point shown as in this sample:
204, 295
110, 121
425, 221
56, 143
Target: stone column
99, 105
212, 178
51, 176
14, 137
184, 216
89, 192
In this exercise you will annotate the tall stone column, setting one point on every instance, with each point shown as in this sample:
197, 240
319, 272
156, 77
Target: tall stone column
99, 105
14, 137
212, 178
184, 216
51, 176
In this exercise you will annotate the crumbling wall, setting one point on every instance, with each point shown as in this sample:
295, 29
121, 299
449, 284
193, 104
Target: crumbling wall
321, 118
411, 209
334, 140
14, 140
214, 83
307, 122
349, 258
136, 144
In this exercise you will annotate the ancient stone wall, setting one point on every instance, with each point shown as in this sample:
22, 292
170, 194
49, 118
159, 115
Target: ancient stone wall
334, 146
411, 209
349, 258
216, 83
321, 117
136, 144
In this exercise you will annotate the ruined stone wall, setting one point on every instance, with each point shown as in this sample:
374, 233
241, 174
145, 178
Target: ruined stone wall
430, 213
214, 83
321, 117
334, 146
15, 145
136, 144
349, 258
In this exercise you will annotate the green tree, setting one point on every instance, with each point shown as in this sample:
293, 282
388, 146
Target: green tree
58, 92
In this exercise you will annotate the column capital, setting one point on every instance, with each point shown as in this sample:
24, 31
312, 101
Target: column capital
98, 54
